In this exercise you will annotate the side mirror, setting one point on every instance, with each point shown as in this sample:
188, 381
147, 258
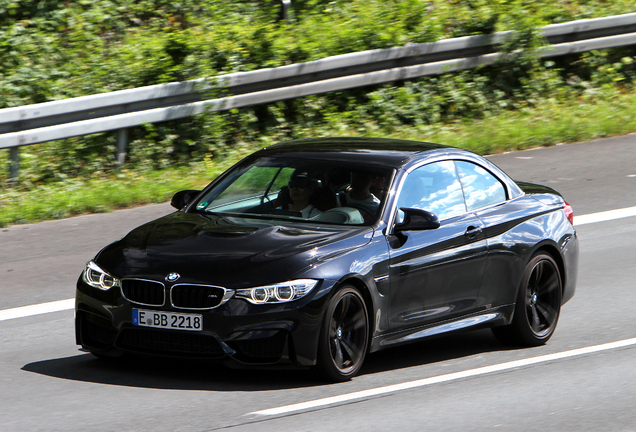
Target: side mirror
417, 220
183, 198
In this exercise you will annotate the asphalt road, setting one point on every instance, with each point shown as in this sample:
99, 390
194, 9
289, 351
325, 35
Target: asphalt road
47, 384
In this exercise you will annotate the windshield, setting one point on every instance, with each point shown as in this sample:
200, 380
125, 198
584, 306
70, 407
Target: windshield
316, 191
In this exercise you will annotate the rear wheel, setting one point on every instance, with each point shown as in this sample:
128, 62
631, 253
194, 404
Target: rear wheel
538, 304
344, 336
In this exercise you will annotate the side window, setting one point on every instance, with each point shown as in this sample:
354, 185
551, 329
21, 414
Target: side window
481, 188
435, 188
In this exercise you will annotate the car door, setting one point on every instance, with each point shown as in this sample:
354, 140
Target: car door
435, 274
486, 196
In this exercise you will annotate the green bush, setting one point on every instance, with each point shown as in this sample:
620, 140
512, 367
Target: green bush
52, 50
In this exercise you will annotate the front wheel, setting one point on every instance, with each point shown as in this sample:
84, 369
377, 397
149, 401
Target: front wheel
344, 336
538, 304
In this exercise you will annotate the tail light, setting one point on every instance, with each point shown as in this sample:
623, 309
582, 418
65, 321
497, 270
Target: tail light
569, 213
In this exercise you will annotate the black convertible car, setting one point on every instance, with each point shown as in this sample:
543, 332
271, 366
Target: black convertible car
315, 252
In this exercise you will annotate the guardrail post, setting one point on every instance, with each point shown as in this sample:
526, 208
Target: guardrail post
285, 5
122, 146
15, 164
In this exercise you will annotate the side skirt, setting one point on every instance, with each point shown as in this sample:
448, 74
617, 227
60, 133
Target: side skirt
490, 318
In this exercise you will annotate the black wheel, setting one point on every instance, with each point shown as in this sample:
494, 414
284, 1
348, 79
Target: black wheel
344, 335
538, 304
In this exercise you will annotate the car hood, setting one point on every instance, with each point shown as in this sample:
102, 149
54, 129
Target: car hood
227, 251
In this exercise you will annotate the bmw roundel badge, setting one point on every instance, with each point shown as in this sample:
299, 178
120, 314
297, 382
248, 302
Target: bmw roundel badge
172, 277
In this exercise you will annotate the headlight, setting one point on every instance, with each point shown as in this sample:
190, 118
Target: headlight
97, 278
278, 293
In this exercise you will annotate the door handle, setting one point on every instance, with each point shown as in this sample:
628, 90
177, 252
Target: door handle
473, 232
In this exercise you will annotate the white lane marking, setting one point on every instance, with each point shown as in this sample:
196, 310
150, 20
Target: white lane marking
26, 311
604, 216
364, 394
37, 309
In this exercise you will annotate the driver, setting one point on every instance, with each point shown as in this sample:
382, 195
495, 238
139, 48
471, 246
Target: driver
301, 186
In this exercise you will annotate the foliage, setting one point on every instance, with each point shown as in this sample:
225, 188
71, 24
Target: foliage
547, 124
52, 50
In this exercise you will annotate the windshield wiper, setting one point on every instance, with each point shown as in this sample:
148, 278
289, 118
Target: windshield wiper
258, 216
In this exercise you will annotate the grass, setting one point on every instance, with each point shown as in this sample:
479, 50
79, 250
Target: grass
127, 189
546, 125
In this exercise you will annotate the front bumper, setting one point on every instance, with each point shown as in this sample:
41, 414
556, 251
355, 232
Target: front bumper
237, 333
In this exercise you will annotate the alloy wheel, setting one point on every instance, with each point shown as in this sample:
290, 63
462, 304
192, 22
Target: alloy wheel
543, 297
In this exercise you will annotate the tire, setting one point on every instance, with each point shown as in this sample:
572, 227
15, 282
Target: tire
538, 304
344, 335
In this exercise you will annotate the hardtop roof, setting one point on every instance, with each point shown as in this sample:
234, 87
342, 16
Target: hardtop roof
374, 151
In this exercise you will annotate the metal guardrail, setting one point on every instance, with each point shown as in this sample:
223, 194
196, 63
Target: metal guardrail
119, 110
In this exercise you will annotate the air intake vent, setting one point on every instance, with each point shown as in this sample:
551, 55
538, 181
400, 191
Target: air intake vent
95, 331
143, 292
170, 343
196, 296
263, 349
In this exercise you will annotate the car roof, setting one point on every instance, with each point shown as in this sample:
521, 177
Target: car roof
379, 152
372, 151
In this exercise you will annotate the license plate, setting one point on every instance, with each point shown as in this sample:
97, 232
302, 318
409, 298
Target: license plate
169, 320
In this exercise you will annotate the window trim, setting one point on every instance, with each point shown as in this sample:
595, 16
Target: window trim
506, 192
391, 222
